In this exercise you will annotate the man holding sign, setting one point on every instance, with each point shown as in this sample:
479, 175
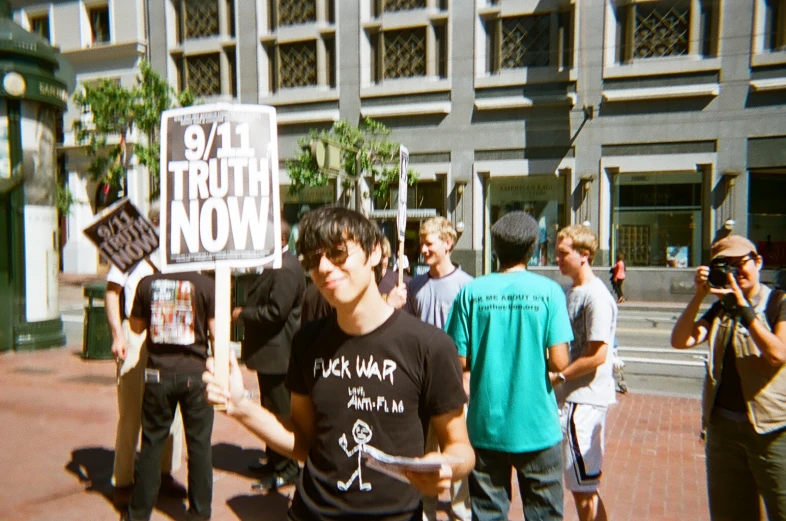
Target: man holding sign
131, 353
364, 380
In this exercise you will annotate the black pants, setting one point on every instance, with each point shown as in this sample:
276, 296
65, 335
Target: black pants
617, 286
275, 398
158, 409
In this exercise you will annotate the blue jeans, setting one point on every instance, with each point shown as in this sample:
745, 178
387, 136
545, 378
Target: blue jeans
158, 409
540, 484
741, 464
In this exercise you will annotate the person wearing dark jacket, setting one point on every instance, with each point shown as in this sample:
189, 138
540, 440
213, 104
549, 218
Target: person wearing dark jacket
271, 317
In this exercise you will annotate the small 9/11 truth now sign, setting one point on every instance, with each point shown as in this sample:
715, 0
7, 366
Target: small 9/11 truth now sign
122, 235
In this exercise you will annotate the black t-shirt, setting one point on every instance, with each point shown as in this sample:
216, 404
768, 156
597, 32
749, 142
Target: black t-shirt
729, 394
378, 389
176, 307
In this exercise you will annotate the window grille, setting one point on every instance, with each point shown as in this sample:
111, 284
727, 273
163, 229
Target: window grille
295, 12
200, 18
525, 41
203, 74
298, 64
661, 30
390, 6
404, 53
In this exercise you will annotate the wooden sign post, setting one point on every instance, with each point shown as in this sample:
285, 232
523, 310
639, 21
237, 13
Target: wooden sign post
220, 199
401, 221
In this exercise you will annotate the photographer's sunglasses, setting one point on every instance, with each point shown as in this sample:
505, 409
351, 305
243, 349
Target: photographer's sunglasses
738, 264
337, 257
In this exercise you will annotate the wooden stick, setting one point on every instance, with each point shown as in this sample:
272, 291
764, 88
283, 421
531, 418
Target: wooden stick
400, 262
223, 320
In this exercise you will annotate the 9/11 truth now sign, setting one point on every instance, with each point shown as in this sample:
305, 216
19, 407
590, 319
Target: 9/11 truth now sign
219, 187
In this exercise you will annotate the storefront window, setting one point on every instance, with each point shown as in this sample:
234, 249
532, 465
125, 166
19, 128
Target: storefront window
657, 219
294, 207
767, 215
543, 197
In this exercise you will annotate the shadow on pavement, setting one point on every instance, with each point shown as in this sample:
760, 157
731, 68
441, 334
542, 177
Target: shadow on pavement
260, 507
93, 467
233, 458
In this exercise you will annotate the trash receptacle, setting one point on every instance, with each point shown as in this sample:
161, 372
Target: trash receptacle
96, 336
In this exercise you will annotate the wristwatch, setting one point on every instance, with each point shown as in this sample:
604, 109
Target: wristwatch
561, 378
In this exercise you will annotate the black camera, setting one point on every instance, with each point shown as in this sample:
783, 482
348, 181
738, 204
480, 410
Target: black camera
719, 274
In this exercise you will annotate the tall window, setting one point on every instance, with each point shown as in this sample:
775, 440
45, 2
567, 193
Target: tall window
515, 42
99, 23
201, 74
409, 53
40, 25
198, 19
292, 12
656, 218
767, 216
298, 64
666, 28
392, 6
775, 25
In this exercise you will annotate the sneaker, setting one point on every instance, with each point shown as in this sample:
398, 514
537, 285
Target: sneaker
275, 481
170, 487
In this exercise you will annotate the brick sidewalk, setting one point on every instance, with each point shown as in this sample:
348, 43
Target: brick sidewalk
58, 416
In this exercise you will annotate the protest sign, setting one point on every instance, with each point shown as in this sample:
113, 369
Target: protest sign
219, 187
122, 235
219, 199
401, 221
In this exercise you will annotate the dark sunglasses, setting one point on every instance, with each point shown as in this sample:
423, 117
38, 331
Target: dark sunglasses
337, 256
737, 262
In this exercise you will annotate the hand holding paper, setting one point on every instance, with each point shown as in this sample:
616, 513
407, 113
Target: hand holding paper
430, 474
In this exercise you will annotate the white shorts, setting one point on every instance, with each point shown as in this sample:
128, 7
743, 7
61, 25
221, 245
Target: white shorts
583, 429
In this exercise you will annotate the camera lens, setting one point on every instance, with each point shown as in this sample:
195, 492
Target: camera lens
718, 277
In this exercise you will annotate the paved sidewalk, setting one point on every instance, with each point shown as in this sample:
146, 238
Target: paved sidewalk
58, 416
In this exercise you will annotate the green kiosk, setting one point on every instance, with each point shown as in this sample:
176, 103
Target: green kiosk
33, 95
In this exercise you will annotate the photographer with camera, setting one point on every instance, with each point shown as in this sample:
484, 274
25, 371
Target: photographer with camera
744, 408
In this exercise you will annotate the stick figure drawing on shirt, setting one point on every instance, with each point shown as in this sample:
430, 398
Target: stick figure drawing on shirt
361, 433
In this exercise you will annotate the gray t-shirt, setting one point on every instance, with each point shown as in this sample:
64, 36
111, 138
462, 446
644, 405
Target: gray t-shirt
593, 316
430, 298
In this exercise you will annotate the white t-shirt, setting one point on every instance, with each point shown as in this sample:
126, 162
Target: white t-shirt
129, 281
593, 316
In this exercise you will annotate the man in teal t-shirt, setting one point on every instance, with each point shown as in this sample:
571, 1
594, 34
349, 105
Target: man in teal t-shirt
511, 328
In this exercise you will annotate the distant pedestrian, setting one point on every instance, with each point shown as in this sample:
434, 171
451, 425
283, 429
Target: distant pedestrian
744, 409
618, 276
177, 311
130, 350
585, 388
511, 329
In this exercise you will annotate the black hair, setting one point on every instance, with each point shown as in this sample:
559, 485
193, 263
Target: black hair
514, 238
331, 226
